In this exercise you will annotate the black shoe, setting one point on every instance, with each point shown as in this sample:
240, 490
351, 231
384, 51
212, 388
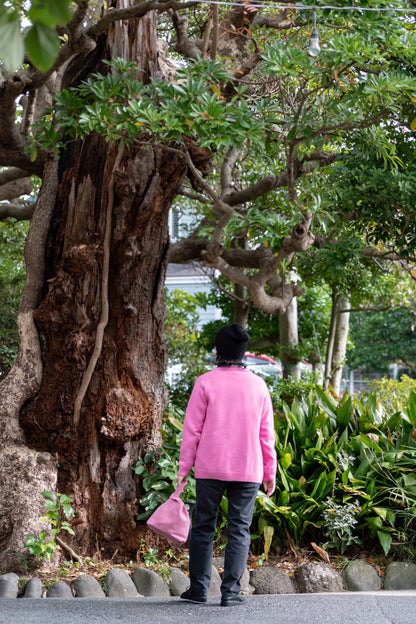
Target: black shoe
187, 595
232, 601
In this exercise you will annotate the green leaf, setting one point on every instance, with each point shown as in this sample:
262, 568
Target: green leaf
148, 457
49, 495
411, 409
30, 540
139, 469
375, 522
42, 45
68, 510
380, 511
12, 47
64, 498
284, 498
175, 422
344, 413
50, 12
285, 461
394, 421
385, 540
161, 485
268, 533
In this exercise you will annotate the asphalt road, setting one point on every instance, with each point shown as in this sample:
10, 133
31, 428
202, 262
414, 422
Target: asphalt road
349, 608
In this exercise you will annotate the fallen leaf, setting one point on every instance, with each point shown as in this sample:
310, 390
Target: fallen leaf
321, 552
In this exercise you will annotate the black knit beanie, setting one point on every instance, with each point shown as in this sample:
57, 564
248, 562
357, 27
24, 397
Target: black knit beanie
231, 342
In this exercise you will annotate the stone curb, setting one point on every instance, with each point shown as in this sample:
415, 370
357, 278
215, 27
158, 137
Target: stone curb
313, 577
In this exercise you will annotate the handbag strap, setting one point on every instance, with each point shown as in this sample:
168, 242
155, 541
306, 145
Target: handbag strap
179, 489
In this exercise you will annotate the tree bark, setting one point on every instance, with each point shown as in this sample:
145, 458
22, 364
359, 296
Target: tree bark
25, 472
331, 342
241, 305
288, 336
122, 410
340, 340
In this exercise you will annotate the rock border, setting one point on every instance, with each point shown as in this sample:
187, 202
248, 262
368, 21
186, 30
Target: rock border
312, 577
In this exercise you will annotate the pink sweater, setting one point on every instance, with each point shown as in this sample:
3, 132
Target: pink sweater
229, 428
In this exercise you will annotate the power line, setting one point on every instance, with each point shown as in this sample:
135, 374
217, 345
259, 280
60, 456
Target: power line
306, 7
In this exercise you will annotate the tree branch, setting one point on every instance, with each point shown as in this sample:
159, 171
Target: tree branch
15, 189
20, 212
228, 168
138, 10
225, 211
24, 378
189, 47
70, 550
9, 175
372, 252
277, 23
194, 196
263, 186
207, 34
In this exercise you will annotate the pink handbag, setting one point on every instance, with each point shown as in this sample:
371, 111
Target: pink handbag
171, 519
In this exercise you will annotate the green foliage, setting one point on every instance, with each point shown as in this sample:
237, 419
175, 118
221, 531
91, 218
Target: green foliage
187, 355
118, 106
58, 511
159, 563
338, 525
345, 472
373, 184
149, 555
393, 395
285, 391
349, 451
382, 338
159, 468
314, 315
339, 264
40, 41
334, 84
12, 280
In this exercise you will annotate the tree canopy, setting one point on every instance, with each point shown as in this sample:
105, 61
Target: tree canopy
274, 118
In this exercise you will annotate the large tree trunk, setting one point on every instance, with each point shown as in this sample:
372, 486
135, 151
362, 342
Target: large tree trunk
122, 409
100, 318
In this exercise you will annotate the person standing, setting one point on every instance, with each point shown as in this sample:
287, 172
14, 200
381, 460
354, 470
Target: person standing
228, 437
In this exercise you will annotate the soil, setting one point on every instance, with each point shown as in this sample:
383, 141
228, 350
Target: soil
158, 553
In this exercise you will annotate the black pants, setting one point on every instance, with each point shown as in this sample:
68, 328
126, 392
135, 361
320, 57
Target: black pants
241, 499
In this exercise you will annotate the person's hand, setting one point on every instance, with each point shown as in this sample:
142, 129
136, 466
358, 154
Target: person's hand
269, 487
180, 479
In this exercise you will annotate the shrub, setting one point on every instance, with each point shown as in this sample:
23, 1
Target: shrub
58, 511
345, 469
393, 395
